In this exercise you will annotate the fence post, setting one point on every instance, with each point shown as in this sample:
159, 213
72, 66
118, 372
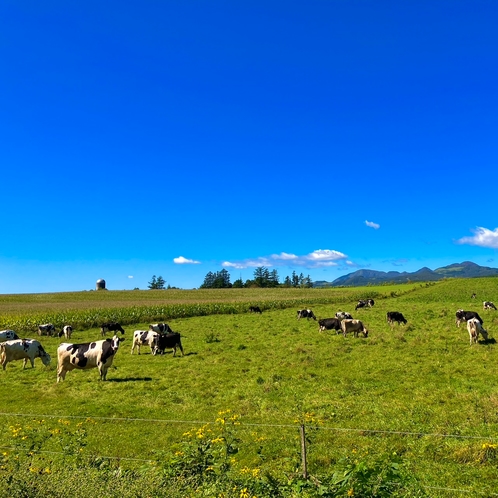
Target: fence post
303, 451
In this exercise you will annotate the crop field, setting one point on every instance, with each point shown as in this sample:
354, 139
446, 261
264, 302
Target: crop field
418, 394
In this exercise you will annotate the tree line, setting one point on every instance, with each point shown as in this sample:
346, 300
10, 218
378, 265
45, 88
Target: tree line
262, 277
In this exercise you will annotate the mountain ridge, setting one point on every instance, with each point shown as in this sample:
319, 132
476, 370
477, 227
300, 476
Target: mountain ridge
466, 269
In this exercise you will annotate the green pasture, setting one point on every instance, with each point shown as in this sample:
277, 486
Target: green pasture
419, 391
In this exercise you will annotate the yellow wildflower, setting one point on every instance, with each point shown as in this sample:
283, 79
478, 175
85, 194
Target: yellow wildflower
351, 492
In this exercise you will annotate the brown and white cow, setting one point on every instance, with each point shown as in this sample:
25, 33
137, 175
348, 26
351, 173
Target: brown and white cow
23, 349
143, 338
97, 354
475, 328
8, 335
355, 326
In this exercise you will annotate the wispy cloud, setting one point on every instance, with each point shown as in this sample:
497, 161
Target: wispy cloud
130, 276
371, 224
482, 237
397, 261
316, 259
184, 261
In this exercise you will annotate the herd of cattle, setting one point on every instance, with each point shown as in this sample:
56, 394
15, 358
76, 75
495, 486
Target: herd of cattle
97, 354
344, 322
100, 354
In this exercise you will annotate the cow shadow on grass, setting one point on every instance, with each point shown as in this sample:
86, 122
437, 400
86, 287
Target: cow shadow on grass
131, 379
492, 340
192, 353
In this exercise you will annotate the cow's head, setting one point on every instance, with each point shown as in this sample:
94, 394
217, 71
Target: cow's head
115, 342
44, 356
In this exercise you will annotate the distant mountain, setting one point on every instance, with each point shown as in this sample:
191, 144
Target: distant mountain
467, 269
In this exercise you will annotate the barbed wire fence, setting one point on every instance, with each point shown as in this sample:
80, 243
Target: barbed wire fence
302, 428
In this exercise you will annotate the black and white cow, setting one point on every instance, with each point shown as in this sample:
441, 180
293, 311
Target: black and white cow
343, 315
465, 316
475, 328
97, 354
171, 340
111, 327
255, 309
305, 314
160, 328
66, 331
8, 335
23, 349
355, 326
46, 329
143, 338
329, 324
395, 316
488, 305
363, 303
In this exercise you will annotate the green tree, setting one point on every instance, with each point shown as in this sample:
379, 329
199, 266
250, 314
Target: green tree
153, 282
218, 280
273, 280
157, 282
238, 284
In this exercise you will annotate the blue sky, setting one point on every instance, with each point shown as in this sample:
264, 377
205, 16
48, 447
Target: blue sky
178, 138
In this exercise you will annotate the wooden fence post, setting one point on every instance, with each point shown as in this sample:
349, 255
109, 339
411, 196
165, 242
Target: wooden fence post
303, 451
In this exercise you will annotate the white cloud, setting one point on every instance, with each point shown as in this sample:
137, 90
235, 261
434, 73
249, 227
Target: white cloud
130, 276
324, 255
184, 261
371, 224
238, 266
316, 259
483, 237
284, 256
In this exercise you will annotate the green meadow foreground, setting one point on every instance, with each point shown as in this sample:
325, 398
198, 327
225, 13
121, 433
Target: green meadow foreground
416, 400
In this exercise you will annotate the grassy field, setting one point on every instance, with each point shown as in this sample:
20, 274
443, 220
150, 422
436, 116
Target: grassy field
419, 391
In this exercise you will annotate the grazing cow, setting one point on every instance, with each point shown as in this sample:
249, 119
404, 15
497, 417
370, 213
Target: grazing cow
8, 335
363, 303
46, 329
488, 305
473, 296
160, 328
255, 309
464, 316
395, 316
475, 328
111, 327
66, 331
23, 349
343, 315
97, 354
143, 338
167, 341
355, 326
305, 314
329, 324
